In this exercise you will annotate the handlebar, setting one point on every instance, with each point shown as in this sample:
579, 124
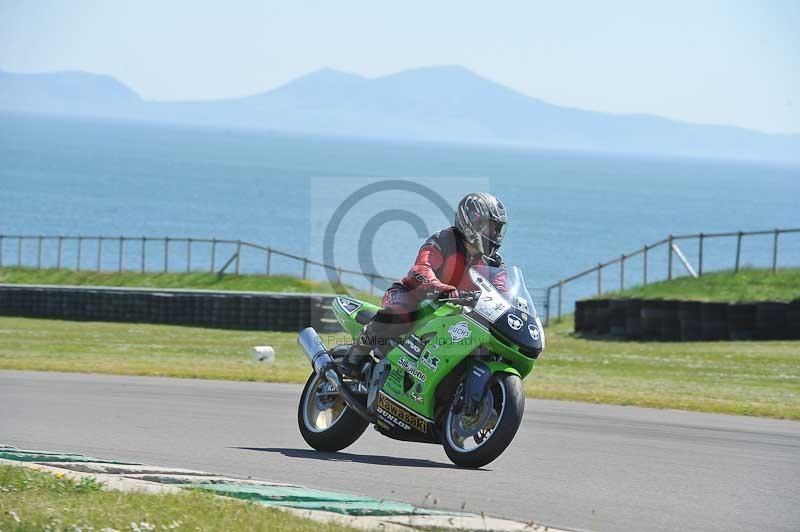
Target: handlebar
465, 297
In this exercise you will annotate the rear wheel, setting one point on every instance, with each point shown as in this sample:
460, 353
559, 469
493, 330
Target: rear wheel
474, 441
325, 421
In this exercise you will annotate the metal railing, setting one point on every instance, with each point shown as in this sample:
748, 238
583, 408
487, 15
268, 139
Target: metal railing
121, 254
673, 250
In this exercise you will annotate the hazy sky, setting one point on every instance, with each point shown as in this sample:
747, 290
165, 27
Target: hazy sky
735, 62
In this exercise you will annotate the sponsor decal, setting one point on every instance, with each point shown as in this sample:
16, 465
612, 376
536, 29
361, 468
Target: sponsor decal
419, 277
429, 361
459, 331
411, 370
514, 322
391, 420
534, 330
327, 388
348, 305
491, 306
399, 416
417, 397
412, 346
523, 316
383, 424
522, 303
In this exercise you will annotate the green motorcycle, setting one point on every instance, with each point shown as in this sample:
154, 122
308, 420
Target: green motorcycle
455, 380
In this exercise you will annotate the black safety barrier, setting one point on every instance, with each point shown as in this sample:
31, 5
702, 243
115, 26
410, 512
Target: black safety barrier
215, 309
689, 321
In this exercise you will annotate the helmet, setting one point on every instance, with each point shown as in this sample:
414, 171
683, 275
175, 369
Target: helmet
482, 219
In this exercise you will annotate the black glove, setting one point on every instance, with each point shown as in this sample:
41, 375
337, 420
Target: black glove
448, 292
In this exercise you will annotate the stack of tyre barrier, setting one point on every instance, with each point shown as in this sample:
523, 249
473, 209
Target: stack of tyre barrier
228, 310
670, 320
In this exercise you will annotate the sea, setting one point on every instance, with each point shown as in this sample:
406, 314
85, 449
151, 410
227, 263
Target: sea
367, 205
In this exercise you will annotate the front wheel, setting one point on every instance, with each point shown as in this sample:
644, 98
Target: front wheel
325, 421
474, 441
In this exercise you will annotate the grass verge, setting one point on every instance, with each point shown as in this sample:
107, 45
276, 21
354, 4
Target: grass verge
196, 280
746, 286
751, 378
33, 500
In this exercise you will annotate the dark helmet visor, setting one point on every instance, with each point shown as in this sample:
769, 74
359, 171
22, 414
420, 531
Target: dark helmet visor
494, 231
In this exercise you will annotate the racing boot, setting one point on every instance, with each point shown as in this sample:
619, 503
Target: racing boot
358, 355
376, 338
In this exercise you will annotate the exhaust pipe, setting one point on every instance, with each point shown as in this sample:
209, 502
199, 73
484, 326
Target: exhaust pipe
324, 365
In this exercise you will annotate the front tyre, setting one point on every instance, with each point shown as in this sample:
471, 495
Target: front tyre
325, 421
474, 441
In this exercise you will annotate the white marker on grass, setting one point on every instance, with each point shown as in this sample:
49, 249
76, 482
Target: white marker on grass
263, 353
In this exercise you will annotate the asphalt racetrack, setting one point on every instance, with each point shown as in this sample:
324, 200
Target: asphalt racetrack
573, 465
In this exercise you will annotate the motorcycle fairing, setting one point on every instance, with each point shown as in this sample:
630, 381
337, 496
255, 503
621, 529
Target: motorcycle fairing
413, 381
397, 421
351, 312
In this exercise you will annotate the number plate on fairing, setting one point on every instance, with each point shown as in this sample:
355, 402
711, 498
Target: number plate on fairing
491, 305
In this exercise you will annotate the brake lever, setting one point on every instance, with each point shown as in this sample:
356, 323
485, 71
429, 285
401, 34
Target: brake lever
467, 299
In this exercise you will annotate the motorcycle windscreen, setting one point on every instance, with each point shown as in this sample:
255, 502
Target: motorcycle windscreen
506, 303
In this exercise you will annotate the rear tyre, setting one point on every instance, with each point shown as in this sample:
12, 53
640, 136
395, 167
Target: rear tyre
325, 421
475, 441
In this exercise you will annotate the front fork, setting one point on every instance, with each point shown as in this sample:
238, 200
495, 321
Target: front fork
478, 377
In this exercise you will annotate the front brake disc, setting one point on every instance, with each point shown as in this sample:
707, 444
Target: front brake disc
468, 426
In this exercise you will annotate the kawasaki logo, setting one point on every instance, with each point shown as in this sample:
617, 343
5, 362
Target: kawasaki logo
399, 416
430, 361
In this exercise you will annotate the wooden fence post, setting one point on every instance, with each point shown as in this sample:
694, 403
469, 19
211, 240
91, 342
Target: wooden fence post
700, 252
144, 253
58, 252
669, 258
738, 250
238, 255
269, 260
372, 284
99, 253
622, 273
775, 251
547, 307
80, 242
599, 278
1, 251
560, 297
188, 255
39, 253
121, 253
166, 254
644, 256
213, 254
305, 268
19, 252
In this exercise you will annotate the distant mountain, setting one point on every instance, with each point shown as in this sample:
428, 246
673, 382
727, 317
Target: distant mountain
447, 103
75, 93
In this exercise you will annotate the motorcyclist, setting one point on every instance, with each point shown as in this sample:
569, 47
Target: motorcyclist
440, 270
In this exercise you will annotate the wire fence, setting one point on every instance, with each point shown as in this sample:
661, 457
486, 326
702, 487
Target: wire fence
145, 254
164, 254
675, 258
167, 254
